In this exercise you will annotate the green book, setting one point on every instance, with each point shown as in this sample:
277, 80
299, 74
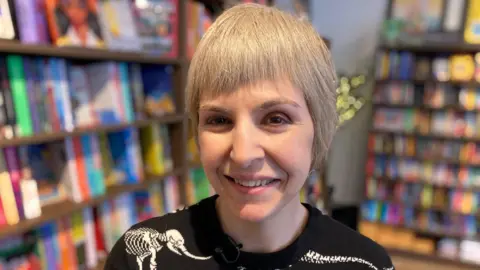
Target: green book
19, 93
201, 184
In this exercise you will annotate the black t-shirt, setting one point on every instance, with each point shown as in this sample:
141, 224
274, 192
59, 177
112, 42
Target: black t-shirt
193, 239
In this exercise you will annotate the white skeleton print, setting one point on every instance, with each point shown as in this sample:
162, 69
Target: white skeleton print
144, 242
317, 258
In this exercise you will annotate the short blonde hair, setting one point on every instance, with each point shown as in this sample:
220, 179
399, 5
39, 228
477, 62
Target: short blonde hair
250, 43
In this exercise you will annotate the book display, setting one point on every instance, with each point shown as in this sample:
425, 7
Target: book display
422, 170
93, 132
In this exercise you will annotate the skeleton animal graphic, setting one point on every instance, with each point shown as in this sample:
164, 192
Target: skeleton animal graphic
144, 242
317, 258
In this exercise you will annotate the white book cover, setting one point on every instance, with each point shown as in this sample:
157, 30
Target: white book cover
118, 26
31, 199
90, 239
83, 110
6, 23
71, 182
103, 92
65, 92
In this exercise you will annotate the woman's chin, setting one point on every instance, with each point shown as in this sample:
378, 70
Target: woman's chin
253, 212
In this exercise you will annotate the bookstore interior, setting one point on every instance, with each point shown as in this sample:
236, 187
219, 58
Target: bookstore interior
79, 165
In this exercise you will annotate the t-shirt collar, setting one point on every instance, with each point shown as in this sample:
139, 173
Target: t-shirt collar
223, 247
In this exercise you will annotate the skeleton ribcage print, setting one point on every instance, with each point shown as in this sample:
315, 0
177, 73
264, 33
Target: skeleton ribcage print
140, 241
144, 242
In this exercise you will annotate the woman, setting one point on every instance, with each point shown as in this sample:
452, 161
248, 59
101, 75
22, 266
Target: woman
261, 93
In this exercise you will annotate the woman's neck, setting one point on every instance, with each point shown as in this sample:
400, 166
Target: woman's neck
270, 235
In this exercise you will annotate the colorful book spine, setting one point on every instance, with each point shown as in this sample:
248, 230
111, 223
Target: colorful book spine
91, 254
78, 238
152, 150
20, 96
12, 161
89, 166
126, 92
47, 235
40, 92
7, 193
134, 156
25, 14
50, 99
29, 70
7, 110
3, 219
97, 166
116, 91
83, 111
76, 188
64, 94
136, 88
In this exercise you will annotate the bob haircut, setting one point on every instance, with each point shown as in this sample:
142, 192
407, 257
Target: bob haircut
251, 43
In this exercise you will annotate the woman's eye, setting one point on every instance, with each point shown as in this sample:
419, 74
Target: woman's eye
218, 120
277, 119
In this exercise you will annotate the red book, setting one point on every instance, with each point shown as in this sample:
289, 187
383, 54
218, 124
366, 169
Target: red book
3, 220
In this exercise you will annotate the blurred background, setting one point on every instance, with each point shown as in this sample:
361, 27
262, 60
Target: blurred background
94, 135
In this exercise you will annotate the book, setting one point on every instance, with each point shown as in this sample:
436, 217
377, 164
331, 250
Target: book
158, 90
8, 120
7, 20
18, 86
74, 23
117, 24
158, 33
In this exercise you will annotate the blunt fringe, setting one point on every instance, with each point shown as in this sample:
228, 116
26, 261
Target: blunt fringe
250, 43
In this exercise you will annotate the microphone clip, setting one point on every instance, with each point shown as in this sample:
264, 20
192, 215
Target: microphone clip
221, 252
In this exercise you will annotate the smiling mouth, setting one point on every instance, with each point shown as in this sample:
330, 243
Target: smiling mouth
252, 183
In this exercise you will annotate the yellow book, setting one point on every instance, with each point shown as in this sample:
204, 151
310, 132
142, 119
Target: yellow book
152, 150
156, 199
111, 176
471, 34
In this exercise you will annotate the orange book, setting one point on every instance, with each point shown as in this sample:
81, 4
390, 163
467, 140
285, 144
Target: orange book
81, 168
74, 23
68, 259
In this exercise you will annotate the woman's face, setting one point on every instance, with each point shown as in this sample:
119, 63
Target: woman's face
256, 147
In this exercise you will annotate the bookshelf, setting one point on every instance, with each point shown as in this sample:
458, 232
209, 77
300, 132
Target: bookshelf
86, 54
421, 184
421, 187
65, 208
50, 137
176, 123
387, 186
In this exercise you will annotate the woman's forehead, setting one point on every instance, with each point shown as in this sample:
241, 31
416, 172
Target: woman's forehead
265, 92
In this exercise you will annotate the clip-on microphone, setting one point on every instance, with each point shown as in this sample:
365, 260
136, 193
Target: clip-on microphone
237, 247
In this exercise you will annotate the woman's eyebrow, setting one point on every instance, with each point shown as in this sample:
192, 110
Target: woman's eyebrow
213, 108
277, 102
262, 107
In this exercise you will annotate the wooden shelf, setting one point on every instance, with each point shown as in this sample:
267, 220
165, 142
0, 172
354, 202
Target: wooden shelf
427, 136
471, 84
65, 208
50, 137
432, 258
419, 231
432, 48
457, 108
79, 53
429, 159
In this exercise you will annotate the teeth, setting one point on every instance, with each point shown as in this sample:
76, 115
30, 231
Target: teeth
257, 183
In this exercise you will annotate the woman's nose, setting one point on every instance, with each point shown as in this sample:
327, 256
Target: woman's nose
246, 146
